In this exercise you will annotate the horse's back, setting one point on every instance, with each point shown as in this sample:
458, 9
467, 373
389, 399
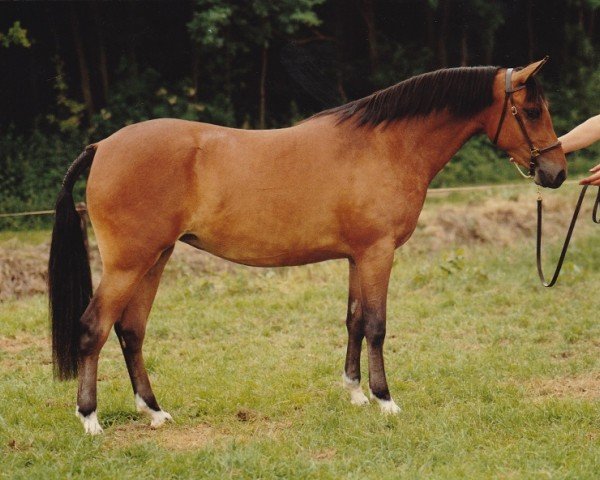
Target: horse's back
266, 197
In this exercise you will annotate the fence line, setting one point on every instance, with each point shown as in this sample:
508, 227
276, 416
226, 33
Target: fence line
431, 191
80, 208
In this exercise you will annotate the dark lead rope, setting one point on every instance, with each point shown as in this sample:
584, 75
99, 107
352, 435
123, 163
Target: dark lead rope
565, 247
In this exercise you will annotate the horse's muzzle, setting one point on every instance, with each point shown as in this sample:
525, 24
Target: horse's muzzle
549, 179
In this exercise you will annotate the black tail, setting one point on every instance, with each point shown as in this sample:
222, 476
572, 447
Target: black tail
69, 276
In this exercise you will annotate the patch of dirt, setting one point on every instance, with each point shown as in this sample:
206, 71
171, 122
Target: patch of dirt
170, 437
493, 221
181, 438
24, 268
21, 342
586, 387
326, 454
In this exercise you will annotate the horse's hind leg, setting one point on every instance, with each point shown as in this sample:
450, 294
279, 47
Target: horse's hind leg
131, 330
106, 307
356, 332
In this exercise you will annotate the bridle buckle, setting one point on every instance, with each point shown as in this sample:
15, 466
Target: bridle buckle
535, 152
513, 110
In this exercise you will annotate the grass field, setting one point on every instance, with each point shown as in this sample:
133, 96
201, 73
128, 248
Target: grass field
496, 376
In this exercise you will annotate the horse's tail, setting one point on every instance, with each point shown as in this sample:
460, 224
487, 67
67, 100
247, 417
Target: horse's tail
69, 276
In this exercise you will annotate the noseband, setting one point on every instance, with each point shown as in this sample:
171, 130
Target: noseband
508, 97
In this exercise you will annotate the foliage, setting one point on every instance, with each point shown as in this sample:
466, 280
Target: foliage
16, 35
316, 53
258, 21
68, 114
25, 184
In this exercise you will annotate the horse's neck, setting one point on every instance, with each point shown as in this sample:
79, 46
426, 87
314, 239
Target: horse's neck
427, 144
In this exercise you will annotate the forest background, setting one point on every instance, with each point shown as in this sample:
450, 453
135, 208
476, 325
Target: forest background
74, 72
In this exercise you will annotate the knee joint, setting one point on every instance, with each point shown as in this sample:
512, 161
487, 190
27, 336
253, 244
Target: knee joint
375, 331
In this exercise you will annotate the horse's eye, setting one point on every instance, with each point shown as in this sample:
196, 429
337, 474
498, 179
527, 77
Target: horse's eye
533, 113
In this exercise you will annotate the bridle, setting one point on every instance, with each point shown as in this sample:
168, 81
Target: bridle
533, 164
508, 97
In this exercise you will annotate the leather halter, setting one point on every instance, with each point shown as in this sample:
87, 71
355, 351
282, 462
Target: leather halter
508, 97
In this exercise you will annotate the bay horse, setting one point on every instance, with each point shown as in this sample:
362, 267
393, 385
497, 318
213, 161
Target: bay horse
347, 183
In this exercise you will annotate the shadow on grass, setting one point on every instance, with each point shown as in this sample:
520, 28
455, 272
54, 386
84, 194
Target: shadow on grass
118, 417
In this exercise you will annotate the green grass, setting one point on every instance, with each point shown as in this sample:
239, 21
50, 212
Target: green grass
497, 377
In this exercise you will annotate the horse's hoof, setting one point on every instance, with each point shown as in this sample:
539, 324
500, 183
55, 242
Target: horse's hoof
157, 417
357, 397
90, 422
388, 407
160, 417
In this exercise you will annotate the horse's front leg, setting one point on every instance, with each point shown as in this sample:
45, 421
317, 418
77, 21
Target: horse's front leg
374, 266
356, 332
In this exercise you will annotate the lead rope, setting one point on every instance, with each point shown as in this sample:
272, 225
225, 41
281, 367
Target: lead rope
565, 247
563, 253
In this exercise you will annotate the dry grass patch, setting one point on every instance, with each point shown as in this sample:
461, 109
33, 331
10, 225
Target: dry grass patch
326, 454
584, 387
170, 437
184, 438
21, 342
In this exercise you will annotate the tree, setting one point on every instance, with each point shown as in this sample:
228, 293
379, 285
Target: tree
16, 35
260, 21
84, 72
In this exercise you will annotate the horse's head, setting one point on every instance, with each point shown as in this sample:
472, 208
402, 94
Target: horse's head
519, 123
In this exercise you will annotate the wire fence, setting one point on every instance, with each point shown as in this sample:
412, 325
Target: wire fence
432, 191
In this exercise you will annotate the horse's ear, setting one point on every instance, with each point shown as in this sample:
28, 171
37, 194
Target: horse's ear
521, 76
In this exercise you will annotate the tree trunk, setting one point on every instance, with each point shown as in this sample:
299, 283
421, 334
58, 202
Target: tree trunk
464, 48
228, 87
84, 72
339, 49
488, 49
50, 20
367, 9
441, 42
263, 90
530, 32
131, 40
103, 64
429, 21
195, 70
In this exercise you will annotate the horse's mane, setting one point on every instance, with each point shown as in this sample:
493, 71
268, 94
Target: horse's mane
462, 91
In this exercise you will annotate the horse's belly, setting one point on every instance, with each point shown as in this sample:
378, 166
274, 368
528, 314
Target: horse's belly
258, 253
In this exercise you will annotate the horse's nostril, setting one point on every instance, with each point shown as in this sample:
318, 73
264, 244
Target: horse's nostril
560, 178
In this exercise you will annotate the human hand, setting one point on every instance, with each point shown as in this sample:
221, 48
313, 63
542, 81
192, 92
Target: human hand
592, 179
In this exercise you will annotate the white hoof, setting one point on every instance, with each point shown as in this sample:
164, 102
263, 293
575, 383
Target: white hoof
160, 417
157, 417
357, 397
90, 423
388, 407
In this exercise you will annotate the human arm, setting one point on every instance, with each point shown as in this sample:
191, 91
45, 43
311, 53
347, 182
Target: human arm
582, 135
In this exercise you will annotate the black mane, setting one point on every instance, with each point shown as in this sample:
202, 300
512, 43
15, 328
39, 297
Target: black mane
462, 91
